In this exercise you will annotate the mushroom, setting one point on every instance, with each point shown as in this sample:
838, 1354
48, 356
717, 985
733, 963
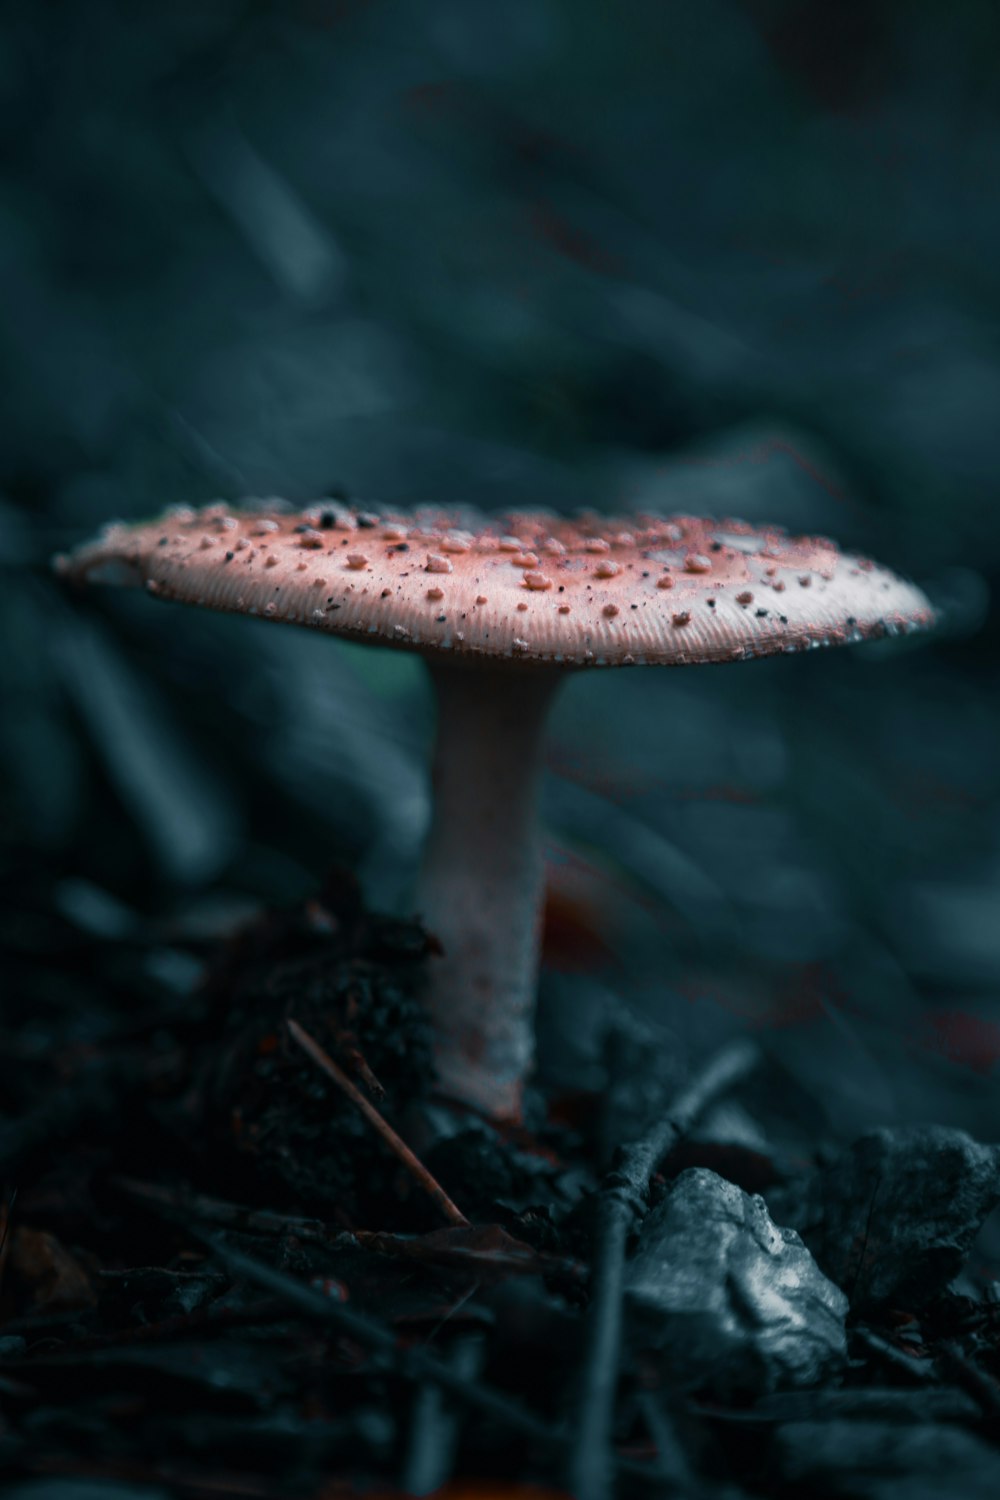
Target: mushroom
501, 610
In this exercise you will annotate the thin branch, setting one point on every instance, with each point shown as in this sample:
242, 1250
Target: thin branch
395, 1143
180, 1208
348, 1047
347, 1043
621, 1207
921, 1370
434, 1425
981, 1387
411, 1362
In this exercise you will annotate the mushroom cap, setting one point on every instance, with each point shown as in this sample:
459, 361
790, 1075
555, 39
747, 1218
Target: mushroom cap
527, 586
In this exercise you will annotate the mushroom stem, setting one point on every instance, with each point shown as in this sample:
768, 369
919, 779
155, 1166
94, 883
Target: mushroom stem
482, 879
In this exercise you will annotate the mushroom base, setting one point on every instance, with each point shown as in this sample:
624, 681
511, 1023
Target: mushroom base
482, 880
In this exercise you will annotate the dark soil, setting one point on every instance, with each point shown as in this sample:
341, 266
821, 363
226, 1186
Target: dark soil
218, 1281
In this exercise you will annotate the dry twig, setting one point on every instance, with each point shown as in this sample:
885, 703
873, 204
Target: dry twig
387, 1348
920, 1370
395, 1143
622, 1205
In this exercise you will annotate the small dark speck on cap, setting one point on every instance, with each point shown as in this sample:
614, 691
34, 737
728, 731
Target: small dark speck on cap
761, 614
230, 556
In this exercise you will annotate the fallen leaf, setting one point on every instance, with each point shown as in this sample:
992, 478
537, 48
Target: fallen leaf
54, 1276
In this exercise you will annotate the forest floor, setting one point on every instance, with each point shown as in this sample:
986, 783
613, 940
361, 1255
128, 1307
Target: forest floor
220, 1276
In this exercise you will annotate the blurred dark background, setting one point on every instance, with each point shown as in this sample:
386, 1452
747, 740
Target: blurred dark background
738, 257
